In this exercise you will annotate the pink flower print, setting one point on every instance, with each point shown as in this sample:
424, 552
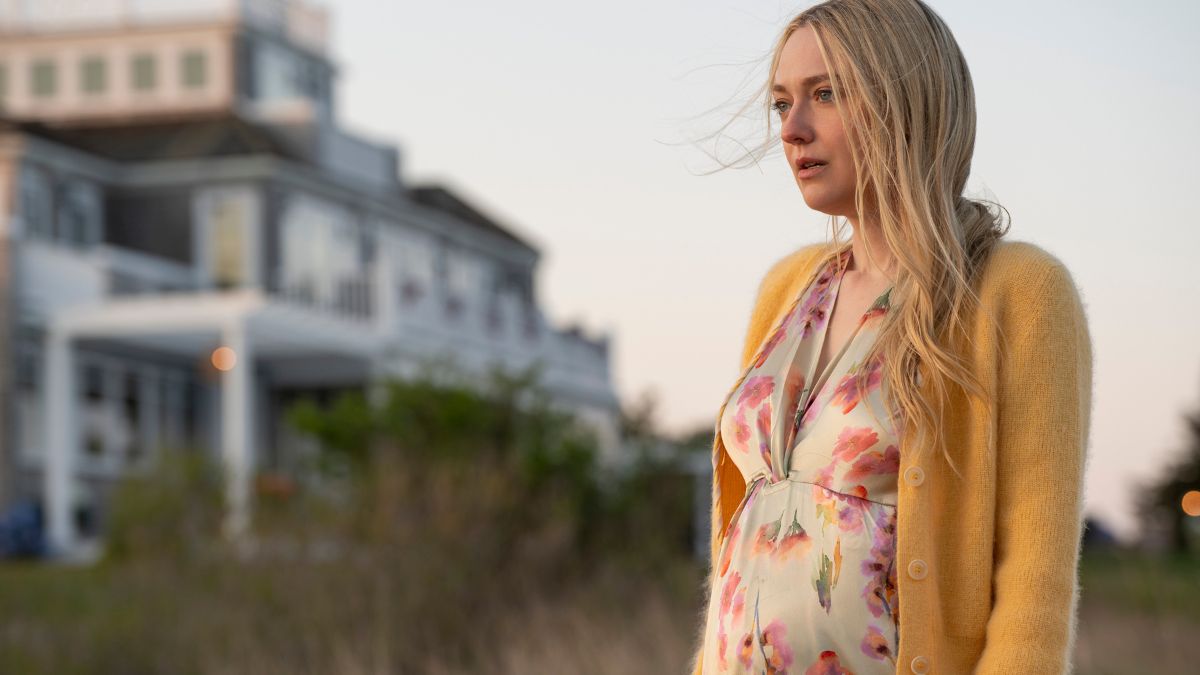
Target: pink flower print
886, 522
764, 541
763, 425
874, 313
793, 383
879, 574
775, 339
852, 441
873, 593
722, 645
891, 594
755, 389
828, 663
746, 649
875, 464
815, 311
848, 393
879, 309
741, 431
774, 645
877, 563
729, 590
824, 476
808, 311
739, 605
795, 544
816, 318
850, 517
875, 645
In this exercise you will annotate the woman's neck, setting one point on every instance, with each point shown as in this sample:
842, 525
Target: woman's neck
875, 263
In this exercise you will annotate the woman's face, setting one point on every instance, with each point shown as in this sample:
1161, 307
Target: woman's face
811, 128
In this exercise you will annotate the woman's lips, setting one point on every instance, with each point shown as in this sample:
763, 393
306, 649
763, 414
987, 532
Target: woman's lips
809, 172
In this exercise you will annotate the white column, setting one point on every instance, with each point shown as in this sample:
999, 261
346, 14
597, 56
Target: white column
383, 292
237, 429
61, 439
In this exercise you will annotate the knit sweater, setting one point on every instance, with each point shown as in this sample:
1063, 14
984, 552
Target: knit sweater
987, 565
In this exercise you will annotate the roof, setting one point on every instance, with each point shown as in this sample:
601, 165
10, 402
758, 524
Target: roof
176, 137
442, 199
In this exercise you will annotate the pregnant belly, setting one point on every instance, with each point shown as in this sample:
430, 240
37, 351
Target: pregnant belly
806, 577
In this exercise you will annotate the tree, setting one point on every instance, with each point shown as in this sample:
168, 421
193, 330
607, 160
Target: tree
1159, 502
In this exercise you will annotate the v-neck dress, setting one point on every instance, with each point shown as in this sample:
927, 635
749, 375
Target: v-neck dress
805, 579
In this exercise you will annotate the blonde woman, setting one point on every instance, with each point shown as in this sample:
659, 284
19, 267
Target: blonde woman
898, 471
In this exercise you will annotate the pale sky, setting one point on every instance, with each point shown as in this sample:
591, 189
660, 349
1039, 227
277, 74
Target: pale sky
569, 122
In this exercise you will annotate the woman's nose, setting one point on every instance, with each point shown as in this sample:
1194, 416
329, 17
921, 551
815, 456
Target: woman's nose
795, 129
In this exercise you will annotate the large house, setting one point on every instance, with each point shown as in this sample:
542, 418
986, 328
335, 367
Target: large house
175, 193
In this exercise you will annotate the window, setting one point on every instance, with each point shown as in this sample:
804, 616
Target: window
94, 410
143, 72
93, 76
415, 261
192, 68
29, 399
37, 204
43, 78
227, 245
461, 282
321, 254
131, 416
79, 214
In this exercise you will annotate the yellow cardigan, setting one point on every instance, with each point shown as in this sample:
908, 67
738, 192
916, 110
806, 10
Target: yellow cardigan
987, 566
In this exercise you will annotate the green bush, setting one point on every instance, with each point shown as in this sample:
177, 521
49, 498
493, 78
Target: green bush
174, 510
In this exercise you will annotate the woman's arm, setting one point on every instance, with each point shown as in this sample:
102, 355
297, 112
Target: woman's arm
1044, 401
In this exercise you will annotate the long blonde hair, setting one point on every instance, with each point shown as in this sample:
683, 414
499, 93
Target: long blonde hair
907, 102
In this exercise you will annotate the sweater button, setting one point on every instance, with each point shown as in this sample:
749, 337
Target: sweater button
919, 665
917, 569
914, 475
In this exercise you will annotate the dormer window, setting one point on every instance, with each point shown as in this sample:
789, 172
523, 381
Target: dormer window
143, 72
193, 69
93, 75
43, 78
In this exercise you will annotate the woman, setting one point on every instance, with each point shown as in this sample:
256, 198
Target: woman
898, 471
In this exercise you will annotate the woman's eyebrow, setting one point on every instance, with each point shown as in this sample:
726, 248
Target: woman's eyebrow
805, 83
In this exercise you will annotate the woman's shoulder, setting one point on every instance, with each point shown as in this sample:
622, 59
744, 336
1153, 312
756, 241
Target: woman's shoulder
1015, 266
789, 268
1022, 279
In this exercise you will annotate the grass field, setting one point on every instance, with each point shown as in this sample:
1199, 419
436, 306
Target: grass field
1138, 615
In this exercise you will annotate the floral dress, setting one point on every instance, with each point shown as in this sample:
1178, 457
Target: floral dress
805, 580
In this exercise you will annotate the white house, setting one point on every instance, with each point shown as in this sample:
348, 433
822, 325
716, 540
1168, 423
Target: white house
173, 181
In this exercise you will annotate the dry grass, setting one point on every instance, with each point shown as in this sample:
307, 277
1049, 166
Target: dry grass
377, 616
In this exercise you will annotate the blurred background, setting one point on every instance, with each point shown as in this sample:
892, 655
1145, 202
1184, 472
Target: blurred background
360, 337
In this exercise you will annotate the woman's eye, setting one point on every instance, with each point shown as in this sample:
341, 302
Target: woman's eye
825, 91
777, 106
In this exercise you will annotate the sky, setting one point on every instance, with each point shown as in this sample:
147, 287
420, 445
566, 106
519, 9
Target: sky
576, 125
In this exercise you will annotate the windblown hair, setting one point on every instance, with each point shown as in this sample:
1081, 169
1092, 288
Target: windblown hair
907, 102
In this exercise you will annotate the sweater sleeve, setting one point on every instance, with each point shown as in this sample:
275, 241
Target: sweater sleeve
1044, 412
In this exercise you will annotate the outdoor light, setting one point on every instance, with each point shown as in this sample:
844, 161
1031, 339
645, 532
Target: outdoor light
224, 358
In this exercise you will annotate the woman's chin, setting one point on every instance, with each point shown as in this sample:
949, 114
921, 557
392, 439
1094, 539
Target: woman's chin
815, 203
